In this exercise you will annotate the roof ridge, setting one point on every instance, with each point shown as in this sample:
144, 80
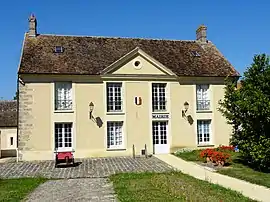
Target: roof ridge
117, 37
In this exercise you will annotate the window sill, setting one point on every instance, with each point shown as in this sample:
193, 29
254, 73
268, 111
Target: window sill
160, 112
116, 149
115, 113
205, 145
204, 111
63, 111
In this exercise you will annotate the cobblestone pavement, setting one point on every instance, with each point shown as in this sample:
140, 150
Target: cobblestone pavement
87, 168
88, 189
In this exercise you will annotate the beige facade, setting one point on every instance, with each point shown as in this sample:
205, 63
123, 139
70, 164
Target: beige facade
37, 114
8, 141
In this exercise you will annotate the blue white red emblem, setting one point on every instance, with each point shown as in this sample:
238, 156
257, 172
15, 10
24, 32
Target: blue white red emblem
138, 100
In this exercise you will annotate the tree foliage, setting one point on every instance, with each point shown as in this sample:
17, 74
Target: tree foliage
16, 96
247, 109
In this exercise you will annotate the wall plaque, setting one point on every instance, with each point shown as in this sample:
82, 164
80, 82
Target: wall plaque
160, 116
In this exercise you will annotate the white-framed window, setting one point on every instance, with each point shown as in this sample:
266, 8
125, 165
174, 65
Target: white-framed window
115, 135
159, 97
63, 96
63, 136
114, 97
160, 132
203, 97
203, 132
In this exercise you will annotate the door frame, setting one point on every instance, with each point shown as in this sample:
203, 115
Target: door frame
168, 132
63, 149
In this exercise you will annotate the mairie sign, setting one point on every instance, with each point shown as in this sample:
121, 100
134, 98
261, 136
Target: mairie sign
160, 116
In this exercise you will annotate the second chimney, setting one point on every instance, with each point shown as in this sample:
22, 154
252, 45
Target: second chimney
201, 34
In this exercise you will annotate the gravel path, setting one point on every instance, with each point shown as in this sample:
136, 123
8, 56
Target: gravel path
90, 189
86, 168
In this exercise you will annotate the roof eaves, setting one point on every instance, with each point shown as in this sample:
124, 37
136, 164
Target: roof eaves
22, 49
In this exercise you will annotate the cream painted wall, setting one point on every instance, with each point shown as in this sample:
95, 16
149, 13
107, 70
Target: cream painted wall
138, 122
41, 117
6, 134
183, 134
35, 132
90, 140
222, 130
146, 67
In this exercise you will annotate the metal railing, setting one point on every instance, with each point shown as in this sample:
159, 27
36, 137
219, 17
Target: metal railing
63, 104
203, 105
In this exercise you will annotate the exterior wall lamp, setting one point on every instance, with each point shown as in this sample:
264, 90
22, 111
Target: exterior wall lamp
186, 106
91, 108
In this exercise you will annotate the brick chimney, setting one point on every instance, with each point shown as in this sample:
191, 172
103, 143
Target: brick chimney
32, 26
201, 34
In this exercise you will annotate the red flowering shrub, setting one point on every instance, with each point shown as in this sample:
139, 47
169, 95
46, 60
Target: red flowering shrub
206, 153
226, 148
217, 155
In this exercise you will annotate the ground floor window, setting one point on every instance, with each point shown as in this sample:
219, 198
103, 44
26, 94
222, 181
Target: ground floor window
203, 131
63, 136
160, 132
115, 134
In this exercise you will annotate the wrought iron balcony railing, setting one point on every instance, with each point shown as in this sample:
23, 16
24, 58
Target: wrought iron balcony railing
203, 105
63, 104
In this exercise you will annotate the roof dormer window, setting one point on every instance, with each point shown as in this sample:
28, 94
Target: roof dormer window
58, 49
195, 54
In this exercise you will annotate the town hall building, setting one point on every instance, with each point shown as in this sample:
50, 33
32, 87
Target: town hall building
112, 96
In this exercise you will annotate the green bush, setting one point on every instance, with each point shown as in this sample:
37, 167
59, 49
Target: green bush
247, 109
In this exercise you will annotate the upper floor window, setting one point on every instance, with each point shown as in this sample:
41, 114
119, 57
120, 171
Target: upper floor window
203, 97
159, 97
114, 97
63, 96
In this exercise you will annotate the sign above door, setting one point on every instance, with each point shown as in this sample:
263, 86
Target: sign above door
160, 116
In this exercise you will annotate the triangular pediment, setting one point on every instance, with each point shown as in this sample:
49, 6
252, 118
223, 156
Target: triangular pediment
137, 62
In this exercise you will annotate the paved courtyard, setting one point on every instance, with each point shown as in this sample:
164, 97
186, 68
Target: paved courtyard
88, 189
87, 168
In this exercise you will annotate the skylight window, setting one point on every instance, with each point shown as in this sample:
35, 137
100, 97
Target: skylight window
58, 49
195, 54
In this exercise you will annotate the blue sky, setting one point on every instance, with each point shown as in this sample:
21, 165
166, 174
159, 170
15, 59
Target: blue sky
239, 29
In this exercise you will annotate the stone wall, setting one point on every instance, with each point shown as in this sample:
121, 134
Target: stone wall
25, 122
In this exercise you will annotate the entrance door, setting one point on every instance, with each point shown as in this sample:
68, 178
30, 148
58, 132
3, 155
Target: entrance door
160, 137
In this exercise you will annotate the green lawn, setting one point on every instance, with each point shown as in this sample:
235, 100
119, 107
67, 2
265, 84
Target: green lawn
236, 169
174, 186
190, 155
18, 189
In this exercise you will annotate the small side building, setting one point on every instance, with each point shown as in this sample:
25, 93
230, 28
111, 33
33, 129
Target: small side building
8, 128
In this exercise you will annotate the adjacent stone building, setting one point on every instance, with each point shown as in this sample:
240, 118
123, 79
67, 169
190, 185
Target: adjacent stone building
8, 128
